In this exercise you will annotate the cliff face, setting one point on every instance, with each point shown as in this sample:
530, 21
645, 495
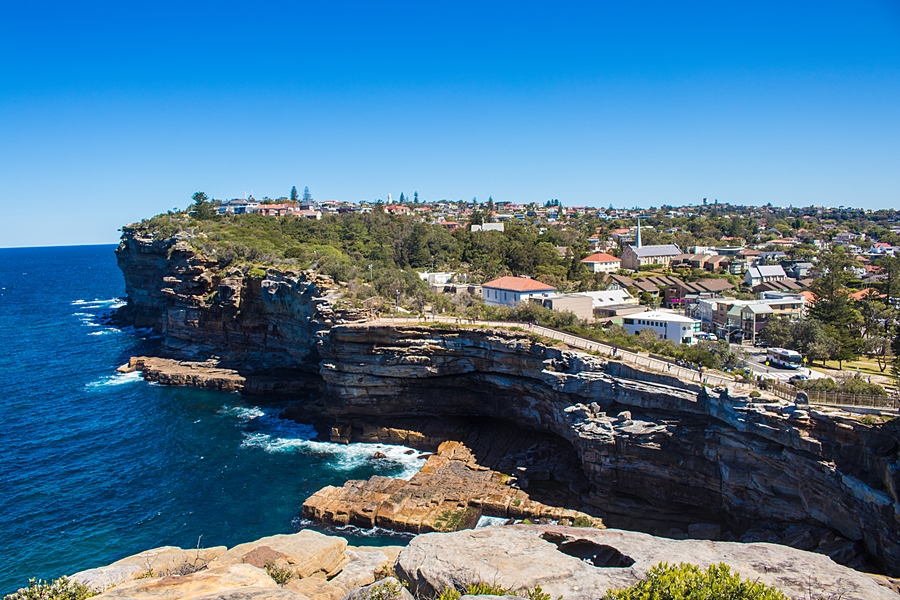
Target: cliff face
252, 323
659, 453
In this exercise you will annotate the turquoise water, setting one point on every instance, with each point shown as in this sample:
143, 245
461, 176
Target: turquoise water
97, 465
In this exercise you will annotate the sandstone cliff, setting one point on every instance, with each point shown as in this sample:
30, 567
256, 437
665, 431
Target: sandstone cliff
661, 455
568, 562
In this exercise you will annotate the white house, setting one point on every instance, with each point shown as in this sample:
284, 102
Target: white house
602, 263
488, 227
668, 326
509, 291
763, 273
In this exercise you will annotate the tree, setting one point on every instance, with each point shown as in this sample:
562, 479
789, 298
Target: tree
294, 193
777, 332
833, 307
307, 197
202, 209
490, 205
402, 198
415, 197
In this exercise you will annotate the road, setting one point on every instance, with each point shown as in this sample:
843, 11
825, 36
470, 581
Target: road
756, 358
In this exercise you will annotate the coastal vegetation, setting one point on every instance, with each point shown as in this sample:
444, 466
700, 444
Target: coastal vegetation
58, 589
376, 256
689, 582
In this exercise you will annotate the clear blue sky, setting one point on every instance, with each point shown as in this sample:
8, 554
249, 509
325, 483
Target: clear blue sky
113, 111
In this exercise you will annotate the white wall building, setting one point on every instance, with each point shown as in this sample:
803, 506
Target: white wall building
602, 263
488, 227
668, 326
509, 291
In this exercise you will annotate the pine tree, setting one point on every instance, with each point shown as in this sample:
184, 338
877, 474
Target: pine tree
202, 209
415, 197
833, 307
402, 198
294, 193
307, 197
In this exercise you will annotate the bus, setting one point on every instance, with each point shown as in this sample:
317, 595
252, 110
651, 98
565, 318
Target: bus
786, 359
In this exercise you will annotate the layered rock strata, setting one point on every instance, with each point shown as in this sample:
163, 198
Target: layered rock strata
582, 564
661, 455
306, 565
450, 492
569, 562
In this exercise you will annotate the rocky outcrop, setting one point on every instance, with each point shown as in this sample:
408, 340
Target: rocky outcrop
572, 562
661, 455
582, 564
251, 320
452, 491
302, 565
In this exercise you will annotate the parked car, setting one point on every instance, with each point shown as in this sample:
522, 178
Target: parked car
798, 379
762, 344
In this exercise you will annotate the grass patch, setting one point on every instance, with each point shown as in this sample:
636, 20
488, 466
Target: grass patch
454, 520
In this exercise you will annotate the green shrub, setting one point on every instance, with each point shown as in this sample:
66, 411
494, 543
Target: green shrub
755, 394
490, 589
386, 590
280, 575
59, 589
689, 582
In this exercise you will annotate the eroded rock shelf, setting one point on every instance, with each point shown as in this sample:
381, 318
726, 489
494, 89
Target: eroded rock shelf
659, 454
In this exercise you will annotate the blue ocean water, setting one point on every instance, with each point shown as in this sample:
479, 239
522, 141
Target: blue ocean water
96, 465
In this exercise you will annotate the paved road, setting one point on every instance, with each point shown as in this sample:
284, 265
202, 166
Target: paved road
756, 358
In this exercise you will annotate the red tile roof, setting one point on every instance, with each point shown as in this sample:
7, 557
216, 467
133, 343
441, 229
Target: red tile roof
861, 294
599, 257
519, 284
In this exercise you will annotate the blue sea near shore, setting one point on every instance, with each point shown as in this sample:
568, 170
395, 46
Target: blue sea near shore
98, 465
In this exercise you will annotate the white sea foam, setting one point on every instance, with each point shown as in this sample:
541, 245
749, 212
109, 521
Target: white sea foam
243, 413
282, 435
97, 303
117, 379
353, 530
484, 521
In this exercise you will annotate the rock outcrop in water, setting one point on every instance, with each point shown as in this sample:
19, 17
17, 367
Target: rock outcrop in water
452, 491
661, 455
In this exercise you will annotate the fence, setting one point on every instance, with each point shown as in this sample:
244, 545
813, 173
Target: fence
782, 390
789, 392
642, 360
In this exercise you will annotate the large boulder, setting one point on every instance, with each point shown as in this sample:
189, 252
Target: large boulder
315, 588
362, 569
215, 582
583, 563
305, 553
252, 593
167, 560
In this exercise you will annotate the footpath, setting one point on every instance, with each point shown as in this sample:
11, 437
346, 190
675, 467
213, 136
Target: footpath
657, 364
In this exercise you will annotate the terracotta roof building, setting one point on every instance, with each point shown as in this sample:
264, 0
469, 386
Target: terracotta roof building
602, 263
509, 291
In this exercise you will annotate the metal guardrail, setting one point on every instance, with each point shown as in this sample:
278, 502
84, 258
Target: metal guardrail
782, 390
789, 392
642, 360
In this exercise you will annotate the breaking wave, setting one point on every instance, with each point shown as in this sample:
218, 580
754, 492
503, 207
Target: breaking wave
113, 380
281, 435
